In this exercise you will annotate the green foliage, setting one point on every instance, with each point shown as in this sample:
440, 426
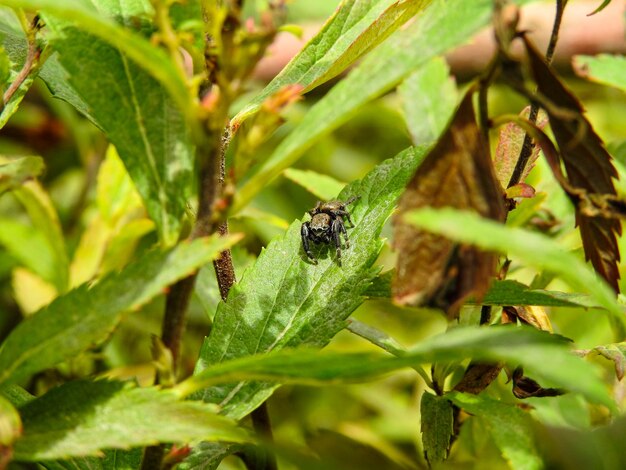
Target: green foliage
150, 134
85, 316
285, 301
82, 418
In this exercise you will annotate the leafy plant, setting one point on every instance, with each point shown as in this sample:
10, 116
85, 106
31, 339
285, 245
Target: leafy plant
123, 347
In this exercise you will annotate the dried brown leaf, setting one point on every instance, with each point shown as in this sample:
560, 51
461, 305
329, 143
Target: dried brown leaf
525, 387
458, 172
532, 315
587, 164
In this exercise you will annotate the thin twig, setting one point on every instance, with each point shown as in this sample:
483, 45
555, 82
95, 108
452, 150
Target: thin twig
528, 146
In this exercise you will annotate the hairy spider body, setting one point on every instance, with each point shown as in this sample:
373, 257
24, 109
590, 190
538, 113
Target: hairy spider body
327, 224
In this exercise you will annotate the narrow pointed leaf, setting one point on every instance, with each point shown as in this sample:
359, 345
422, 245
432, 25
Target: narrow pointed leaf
285, 301
85, 316
82, 418
588, 166
356, 27
322, 186
458, 172
545, 356
441, 26
510, 427
535, 249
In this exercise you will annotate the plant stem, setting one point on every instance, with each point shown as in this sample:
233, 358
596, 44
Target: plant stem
30, 64
527, 146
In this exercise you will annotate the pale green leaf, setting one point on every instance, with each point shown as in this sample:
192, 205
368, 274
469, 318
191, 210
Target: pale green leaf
113, 459
437, 427
510, 427
544, 356
533, 248
14, 171
355, 28
81, 418
284, 301
10, 423
441, 26
429, 98
209, 455
45, 220
323, 186
85, 316
603, 68
616, 353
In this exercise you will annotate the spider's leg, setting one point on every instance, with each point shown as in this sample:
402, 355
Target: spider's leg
345, 214
304, 232
351, 200
342, 227
337, 228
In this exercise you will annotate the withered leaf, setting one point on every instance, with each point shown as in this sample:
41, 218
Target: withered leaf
617, 354
525, 387
587, 164
532, 315
458, 172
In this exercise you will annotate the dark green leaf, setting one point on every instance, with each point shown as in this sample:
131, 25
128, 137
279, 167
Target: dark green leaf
96, 20
208, 455
133, 109
14, 172
85, 316
81, 418
509, 426
355, 28
285, 301
515, 293
437, 427
542, 355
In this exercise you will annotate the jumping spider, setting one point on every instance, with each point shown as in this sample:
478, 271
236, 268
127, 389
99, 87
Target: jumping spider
326, 226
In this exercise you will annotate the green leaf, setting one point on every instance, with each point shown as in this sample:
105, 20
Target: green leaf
429, 98
441, 26
510, 427
81, 418
437, 427
542, 355
355, 28
535, 249
87, 17
113, 459
604, 68
322, 186
208, 455
515, 293
285, 301
45, 220
506, 292
10, 424
85, 316
14, 171
134, 110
